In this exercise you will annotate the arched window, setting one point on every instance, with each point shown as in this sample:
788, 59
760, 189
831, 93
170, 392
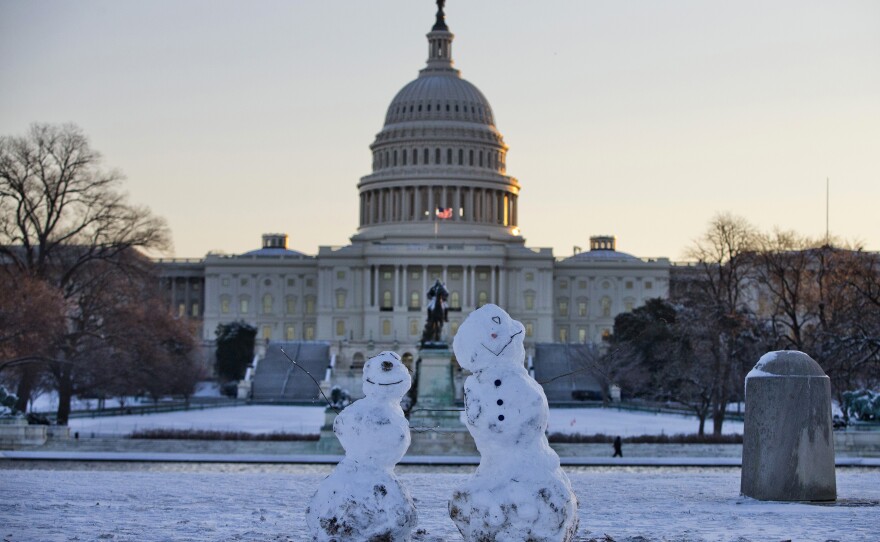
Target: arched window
289, 332
310, 304
530, 300
386, 299
583, 303
267, 304
455, 300
340, 328
290, 303
340, 299
243, 304
224, 304
415, 301
357, 361
413, 327
562, 305
386, 327
606, 306
563, 334
482, 298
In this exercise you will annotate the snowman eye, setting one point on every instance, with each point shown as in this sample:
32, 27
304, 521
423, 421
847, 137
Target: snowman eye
496, 319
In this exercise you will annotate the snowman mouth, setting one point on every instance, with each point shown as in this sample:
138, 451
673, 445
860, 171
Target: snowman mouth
384, 384
498, 353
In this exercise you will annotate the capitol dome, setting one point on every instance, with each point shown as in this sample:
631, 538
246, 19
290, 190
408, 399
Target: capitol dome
439, 162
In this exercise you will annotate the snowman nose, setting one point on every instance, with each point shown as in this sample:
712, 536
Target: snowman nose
387, 365
494, 335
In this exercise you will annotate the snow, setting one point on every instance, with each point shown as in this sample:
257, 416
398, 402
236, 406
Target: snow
257, 419
610, 421
519, 490
252, 503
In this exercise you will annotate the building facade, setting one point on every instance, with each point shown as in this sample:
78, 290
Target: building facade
438, 204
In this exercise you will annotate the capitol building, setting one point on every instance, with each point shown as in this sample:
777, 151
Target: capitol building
437, 204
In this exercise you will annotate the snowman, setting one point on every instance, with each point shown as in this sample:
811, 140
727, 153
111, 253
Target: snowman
362, 500
518, 492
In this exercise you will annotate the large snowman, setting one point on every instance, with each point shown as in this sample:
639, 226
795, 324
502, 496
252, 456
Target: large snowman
362, 500
518, 493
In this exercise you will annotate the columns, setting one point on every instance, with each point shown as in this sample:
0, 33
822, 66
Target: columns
464, 286
417, 203
473, 289
455, 211
492, 292
431, 203
424, 280
501, 291
396, 301
375, 285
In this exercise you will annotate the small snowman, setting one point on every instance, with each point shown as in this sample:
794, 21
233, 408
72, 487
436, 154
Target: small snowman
362, 500
518, 492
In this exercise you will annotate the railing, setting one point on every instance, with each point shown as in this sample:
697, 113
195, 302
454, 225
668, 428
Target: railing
156, 408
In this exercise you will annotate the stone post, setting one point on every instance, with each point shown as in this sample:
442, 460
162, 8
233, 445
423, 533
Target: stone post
788, 446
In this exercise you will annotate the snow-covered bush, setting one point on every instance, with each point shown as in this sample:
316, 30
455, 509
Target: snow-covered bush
7, 404
862, 404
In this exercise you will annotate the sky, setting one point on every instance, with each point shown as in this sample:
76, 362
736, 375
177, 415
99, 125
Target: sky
639, 119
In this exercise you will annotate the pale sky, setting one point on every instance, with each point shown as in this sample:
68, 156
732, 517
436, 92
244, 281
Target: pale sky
640, 119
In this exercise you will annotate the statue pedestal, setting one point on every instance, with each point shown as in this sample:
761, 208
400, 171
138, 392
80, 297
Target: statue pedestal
435, 419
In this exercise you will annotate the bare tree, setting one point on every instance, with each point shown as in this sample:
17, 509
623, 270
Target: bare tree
64, 221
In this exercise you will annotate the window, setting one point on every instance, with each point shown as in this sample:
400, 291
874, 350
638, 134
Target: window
310, 305
530, 329
436, 156
582, 308
582, 334
291, 283
386, 327
606, 306
629, 285
453, 328
267, 304
181, 310
267, 332
415, 302
563, 334
628, 305
530, 301
649, 285
482, 275
415, 275
455, 275
244, 282
562, 304
243, 305
455, 300
340, 299
224, 282
290, 304
224, 304
413, 327
340, 275
386, 299
386, 275
310, 283
460, 156
606, 334
426, 156
582, 284
195, 310
482, 298
563, 285
471, 157
309, 333
530, 276
449, 156
340, 328
267, 282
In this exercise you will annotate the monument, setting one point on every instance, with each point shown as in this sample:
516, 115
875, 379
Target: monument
788, 445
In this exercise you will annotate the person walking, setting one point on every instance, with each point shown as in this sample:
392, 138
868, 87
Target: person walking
618, 447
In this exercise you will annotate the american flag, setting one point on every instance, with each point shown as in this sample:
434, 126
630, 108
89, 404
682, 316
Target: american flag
444, 212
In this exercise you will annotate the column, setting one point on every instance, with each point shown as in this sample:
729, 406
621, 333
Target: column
444, 273
470, 209
365, 285
455, 215
473, 289
396, 290
432, 205
492, 292
501, 290
375, 285
464, 286
444, 203
424, 280
381, 206
417, 202
405, 286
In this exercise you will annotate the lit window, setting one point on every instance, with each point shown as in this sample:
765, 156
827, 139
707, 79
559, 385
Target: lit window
224, 304
582, 335
195, 310
290, 332
563, 307
628, 305
386, 299
224, 282
291, 304
310, 305
530, 301
340, 275
530, 276
415, 275
386, 275
340, 328
413, 327
455, 275
530, 329
582, 284
181, 310
582, 308
563, 334
386, 327
482, 275
482, 298
243, 305
415, 300
563, 284
606, 306
267, 332
309, 333
267, 304
455, 300
340, 300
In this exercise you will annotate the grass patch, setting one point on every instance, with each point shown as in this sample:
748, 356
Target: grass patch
600, 438
201, 434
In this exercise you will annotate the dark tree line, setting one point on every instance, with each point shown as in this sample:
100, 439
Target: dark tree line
80, 310
747, 293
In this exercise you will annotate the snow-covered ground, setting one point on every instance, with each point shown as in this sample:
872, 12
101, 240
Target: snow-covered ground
308, 420
267, 503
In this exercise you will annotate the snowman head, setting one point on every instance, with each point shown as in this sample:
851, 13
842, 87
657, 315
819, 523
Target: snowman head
487, 337
386, 377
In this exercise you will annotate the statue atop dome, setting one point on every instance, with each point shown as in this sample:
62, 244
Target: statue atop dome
441, 17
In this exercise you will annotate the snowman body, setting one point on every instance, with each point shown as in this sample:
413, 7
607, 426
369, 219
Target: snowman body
518, 492
362, 499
